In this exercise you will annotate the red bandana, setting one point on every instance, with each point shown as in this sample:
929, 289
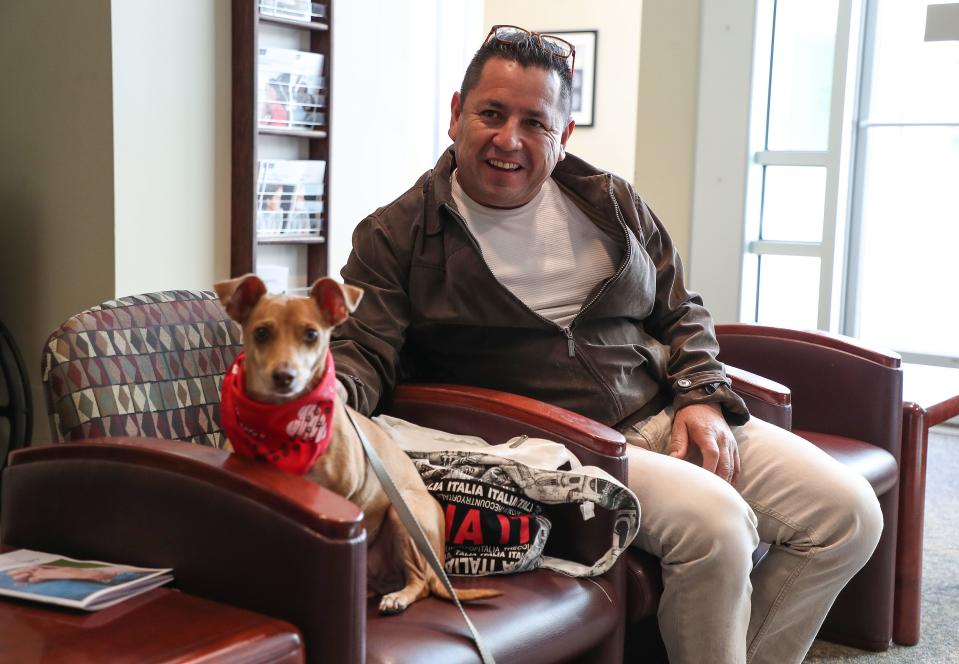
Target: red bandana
291, 435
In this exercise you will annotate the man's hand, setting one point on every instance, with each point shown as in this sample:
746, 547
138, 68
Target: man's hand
703, 425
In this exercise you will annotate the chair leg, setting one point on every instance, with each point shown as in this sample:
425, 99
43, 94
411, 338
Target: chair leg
912, 497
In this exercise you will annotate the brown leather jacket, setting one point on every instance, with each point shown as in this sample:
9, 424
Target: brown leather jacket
433, 311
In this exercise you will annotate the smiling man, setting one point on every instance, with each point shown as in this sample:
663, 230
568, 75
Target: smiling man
516, 266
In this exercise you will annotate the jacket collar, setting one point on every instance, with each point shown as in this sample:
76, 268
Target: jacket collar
576, 176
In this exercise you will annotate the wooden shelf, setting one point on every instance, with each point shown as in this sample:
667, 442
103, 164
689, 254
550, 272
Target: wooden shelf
298, 133
311, 25
291, 239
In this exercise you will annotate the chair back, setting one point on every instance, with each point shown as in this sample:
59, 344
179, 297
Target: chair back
145, 365
822, 370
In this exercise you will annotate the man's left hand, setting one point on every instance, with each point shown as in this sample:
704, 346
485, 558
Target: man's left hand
704, 426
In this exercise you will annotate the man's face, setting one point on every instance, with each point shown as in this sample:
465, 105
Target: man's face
510, 133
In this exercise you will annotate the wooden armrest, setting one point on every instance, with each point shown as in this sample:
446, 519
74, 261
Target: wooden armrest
295, 497
757, 387
412, 399
765, 399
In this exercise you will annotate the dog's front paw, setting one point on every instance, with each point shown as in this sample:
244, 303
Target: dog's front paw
393, 603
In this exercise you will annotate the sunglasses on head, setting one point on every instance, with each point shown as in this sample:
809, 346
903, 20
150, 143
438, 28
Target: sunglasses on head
510, 34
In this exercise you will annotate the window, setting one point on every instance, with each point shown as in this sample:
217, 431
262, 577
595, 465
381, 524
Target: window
794, 236
842, 212
904, 263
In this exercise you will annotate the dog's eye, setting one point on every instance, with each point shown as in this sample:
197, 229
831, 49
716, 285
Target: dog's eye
310, 335
261, 334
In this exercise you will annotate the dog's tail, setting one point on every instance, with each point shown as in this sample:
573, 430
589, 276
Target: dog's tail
465, 594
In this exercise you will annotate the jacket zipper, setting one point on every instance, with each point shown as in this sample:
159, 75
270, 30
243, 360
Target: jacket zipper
622, 266
568, 330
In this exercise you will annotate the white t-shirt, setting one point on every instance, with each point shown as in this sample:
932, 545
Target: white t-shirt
547, 252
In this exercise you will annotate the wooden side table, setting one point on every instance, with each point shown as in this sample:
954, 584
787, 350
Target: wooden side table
930, 397
161, 625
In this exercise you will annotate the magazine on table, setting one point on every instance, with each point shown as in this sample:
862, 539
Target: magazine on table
289, 197
90, 585
290, 89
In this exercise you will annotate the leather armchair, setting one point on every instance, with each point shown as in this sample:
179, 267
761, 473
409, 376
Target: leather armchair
847, 399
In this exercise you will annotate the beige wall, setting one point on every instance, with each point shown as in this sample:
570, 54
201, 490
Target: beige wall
610, 142
666, 120
56, 169
114, 157
171, 118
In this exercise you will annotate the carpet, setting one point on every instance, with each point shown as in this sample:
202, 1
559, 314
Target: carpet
939, 635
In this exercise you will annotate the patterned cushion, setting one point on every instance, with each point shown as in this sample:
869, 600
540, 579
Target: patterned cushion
145, 365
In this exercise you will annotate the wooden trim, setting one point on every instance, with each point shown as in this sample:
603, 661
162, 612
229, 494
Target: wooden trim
907, 610
243, 140
758, 387
942, 411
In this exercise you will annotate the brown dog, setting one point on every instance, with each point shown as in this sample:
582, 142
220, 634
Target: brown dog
286, 343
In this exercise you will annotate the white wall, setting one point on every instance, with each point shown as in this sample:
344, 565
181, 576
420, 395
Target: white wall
395, 66
611, 142
722, 149
666, 114
56, 170
171, 141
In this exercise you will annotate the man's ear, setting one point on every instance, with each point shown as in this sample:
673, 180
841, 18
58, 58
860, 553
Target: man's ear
239, 296
455, 111
335, 300
565, 137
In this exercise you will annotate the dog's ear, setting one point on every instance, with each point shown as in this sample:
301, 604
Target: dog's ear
335, 300
239, 296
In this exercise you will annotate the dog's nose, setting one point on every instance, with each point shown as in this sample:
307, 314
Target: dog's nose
283, 378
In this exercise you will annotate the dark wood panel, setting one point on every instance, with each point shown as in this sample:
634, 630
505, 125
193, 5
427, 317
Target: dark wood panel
243, 132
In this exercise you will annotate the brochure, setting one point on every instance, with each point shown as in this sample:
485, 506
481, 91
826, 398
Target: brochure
297, 10
289, 197
290, 89
81, 584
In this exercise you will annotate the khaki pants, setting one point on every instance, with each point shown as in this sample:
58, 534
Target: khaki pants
822, 521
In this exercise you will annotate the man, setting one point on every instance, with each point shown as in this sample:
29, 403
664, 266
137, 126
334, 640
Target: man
515, 266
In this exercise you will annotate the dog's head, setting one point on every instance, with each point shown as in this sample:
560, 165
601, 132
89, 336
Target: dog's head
285, 338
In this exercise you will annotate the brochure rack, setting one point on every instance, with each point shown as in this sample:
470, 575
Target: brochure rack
281, 121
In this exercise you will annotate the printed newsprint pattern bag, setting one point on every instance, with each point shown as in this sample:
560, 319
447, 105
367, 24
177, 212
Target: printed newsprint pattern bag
493, 498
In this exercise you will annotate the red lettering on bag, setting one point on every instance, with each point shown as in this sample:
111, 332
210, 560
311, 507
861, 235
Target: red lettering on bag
450, 513
470, 529
503, 529
523, 529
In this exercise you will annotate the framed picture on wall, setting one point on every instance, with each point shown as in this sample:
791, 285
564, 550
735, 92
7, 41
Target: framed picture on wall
584, 73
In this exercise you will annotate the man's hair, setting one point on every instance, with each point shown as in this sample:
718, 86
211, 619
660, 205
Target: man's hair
528, 51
